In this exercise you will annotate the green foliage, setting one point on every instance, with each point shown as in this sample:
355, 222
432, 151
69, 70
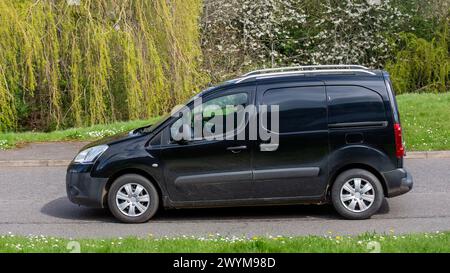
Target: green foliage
104, 61
243, 34
98, 62
425, 15
421, 65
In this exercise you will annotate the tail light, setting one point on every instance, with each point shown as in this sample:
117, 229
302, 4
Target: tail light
399, 148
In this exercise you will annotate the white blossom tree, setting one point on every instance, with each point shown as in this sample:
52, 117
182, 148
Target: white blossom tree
359, 32
238, 34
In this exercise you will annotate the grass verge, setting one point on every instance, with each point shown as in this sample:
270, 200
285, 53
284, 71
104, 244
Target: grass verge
10, 140
427, 242
425, 120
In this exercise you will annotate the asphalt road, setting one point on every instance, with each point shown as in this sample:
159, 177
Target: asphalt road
33, 201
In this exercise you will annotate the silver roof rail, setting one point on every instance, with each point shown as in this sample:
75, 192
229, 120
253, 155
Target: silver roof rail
308, 69
305, 67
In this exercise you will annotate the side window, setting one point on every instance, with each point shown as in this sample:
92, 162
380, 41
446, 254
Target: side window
156, 141
213, 111
301, 108
354, 104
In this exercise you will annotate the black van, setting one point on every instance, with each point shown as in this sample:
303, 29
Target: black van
339, 140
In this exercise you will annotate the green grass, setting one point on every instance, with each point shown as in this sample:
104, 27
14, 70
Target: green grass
431, 242
10, 140
425, 120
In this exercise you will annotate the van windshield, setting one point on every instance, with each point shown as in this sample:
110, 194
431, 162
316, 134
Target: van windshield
150, 128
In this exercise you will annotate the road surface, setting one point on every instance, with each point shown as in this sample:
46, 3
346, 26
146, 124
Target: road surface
33, 201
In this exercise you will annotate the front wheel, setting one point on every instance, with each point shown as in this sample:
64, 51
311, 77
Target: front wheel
357, 194
133, 199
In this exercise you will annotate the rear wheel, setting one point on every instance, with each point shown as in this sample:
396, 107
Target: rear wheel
133, 199
357, 194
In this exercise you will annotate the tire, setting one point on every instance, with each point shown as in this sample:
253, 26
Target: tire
343, 200
128, 185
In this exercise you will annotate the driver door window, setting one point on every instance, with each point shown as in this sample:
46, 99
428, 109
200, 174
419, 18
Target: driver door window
214, 117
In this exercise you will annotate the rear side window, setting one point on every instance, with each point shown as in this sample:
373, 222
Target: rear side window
301, 108
354, 104
393, 100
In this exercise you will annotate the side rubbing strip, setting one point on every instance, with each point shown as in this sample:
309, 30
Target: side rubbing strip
365, 124
213, 178
286, 173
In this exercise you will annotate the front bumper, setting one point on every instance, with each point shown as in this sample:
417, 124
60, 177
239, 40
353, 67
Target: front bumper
398, 181
82, 188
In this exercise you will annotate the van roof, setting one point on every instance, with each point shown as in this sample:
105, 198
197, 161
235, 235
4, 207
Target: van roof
307, 70
318, 72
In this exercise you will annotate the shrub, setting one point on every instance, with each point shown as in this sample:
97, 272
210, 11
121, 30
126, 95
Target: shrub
421, 65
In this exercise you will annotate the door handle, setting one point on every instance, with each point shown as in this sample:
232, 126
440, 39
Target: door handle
237, 149
268, 147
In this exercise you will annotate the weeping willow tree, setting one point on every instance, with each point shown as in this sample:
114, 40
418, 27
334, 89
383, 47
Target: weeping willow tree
64, 65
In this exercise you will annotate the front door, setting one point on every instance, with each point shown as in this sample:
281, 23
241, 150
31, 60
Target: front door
207, 170
297, 165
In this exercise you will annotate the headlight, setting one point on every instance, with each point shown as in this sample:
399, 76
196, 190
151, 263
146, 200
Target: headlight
91, 154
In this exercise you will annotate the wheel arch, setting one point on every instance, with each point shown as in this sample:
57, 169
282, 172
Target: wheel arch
356, 166
137, 171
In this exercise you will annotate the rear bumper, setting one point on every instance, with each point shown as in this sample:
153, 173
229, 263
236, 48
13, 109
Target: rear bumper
82, 189
398, 181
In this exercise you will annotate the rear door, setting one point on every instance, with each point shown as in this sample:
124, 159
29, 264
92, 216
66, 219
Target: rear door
357, 116
297, 166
